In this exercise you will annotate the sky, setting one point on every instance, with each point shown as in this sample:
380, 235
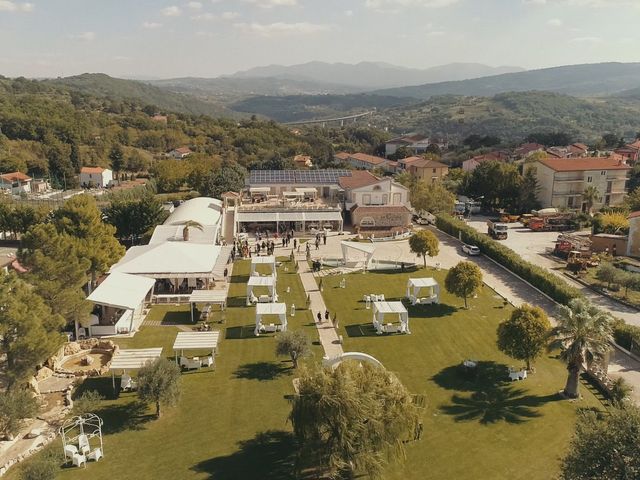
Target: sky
207, 38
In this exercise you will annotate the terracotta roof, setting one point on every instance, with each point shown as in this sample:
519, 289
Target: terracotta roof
410, 160
380, 209
230, 194
342, 155
363, 157
582, 164
581, 146
635, 144
92, 170
183, 150
526, 148
634, 214
424, 163
15, 176
358, 178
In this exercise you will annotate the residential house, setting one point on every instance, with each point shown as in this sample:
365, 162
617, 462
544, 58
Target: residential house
427, 171
15, 183
362, 161
160, 119
578, 150
630, 152
180, 153
471, 164
303, 161
418, 144
563, 181
633, 243
95, 177
527, 149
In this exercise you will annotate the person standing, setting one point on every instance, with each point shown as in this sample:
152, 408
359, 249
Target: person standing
319, 316
326, 315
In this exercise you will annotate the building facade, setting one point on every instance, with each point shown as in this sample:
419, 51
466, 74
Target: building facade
95, 177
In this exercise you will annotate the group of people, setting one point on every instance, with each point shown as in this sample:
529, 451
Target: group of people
240, 249
319, 237
267, 246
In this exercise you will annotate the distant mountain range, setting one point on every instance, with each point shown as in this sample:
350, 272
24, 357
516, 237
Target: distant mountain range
588, 80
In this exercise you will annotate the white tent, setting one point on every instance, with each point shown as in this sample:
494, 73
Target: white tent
268, 282
174, 233
204, 210
415, 285
262, 309
132, 359
380, 309
208, 297
122, 290
367, 249
196, 341
268, 260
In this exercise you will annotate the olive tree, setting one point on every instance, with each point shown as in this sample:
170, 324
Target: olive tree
294, 344
524, 335
424, 243
464, 280
159, 383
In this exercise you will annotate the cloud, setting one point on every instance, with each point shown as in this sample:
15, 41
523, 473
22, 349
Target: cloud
84, 36
436, 33
204, 16
194, 5
229, 15
171, 11
555, 22
385, 4
273, 3
281, 28
122, 58
9, 6
585, 3
591, 40
348, 13
151, 25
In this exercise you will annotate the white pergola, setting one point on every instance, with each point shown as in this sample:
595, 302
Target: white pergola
367, 249
415, 285
380, 309
210, 297
132, 359
268, 260
262, 309
267, 282
196, 341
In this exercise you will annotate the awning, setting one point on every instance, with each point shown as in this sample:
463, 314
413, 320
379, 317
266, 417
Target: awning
423, 282
293, 194
260, 190
134, 358
218, 297
304, 190
255, 281
271, 308
302, 216
197, 341
389, 307
122, 290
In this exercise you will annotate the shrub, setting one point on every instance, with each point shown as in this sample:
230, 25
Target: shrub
625, 335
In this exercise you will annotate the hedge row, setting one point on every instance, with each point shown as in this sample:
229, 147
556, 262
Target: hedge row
540, 278
626, 335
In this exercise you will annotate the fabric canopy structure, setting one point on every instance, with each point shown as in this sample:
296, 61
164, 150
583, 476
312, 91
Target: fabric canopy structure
203, 210
210, 297
262, 309
121, 290
174, 233
196, 341
269, 260
415, 285
132, 359
256, 281
177, 260
258, 216
380, 309
367, 249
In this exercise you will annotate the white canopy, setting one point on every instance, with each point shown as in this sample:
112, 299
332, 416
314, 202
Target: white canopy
173, 233
415, 285
293, 194
213, 297
197, 341
256, 281
170, 260
268, 260
366, 248
204, 210
121, 290
304, 190
291, 216
134, 358
279, 309
260, 190
380, 309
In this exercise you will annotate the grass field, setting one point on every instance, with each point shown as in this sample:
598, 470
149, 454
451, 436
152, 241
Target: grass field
485, 428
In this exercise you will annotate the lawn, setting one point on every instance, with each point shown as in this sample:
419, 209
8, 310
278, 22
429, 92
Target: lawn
485, 428
230, 424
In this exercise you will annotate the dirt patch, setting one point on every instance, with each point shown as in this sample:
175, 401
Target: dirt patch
77, 363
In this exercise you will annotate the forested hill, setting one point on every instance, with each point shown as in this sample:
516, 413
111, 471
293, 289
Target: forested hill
580, 80
104, 86
513, 116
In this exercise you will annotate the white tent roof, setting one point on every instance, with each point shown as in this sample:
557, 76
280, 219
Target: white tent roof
423, 282
390, 307
196, 340
122, 290
173, 233
304, 216
271, 308
263, 260
208, 296
134, 358
306, 190
204, 210
169, 259
259, 189
255, 281
363, 247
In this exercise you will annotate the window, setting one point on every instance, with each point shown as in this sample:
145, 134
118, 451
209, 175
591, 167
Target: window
366, 199
434, 170
570, 202
607, 199
589, 179
603, 172
377, 187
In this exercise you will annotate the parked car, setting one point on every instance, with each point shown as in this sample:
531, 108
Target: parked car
425, 218
470, 249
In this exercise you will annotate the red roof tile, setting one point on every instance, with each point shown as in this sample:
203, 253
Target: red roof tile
358, 178
371, 159
92, 170
634, 214
15, 176
342, 155
583, 164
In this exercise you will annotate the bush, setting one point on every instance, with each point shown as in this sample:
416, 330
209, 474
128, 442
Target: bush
44, 467
625, 335
540, 278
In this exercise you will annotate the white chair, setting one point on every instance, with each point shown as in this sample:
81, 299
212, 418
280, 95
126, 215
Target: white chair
207, 361
70, 451
95, 455
192, 363
78, 460
125, 382
367, 298
381, 297
83, 444
264, 299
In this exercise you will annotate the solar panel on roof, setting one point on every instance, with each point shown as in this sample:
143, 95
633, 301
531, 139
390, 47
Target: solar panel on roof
296, 176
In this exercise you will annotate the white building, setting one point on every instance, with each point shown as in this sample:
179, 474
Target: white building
15, 183
633, 244
180, 153
95, 177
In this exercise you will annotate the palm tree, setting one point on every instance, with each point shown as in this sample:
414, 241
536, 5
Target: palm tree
590, 196
583, 334
190, 224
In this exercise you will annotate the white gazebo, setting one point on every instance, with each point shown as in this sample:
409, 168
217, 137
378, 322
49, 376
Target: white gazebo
268, 282
132, 359
416, 285
268, 260
380, 309
279, 309
208, 297
365, 249
196, 341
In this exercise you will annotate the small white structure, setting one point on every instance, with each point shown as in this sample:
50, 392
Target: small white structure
95, 177
82, 439
415, 286
357, 356
268, 260
208, 297
132, 359
268, 282
366, 249
263, 309
380, 309
196, 341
